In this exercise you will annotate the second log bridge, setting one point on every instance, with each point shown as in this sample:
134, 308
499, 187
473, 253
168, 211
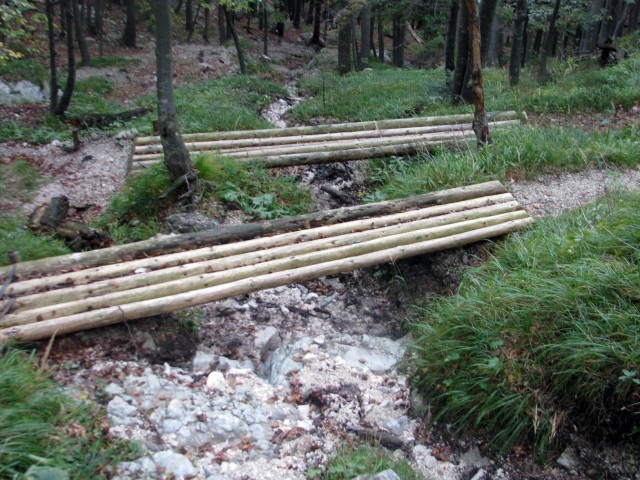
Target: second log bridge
74, 292
281, 147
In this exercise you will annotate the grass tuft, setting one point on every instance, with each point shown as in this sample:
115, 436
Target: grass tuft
15, 237
542, 339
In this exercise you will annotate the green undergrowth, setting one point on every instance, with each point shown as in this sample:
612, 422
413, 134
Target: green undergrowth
259, 193
46, 434
15, 237
23, 69
520, 152
542, 340
354, 460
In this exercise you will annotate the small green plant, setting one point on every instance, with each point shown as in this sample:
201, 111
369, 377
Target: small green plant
544, 336
353, 460
107, 61
23, 69
43, 431
19, 179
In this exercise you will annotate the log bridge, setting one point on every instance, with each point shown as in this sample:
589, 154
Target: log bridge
74, 292
283, 147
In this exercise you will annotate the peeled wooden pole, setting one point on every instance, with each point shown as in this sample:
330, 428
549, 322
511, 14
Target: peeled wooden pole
132, 311
37, 305
27, 288
338, 127
279, 264
250, 230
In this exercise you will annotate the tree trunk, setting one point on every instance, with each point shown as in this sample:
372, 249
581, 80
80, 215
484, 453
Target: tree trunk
365, 33
450, 42
605, 25
312, 6
480, 120
617, 31
590, 36
462, 55
495, 41
223, 36
188, 16
236, 41
297, 13
317, 19
635, 13
399, 35
80, 37
53, 69
176, 155
265, 29
207, 23
380, 37
516, 47
129, 36
99, 23
548, 44
526, 42
344, 46
62, 106
354, 44
487, 16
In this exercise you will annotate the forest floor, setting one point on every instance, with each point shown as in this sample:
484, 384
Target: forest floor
353, 307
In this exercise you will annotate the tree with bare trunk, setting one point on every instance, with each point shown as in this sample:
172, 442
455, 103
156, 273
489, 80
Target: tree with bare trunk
176, 155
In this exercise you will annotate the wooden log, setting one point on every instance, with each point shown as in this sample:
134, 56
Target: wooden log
251, 230
95, 274
172, 303
255, 257
304, 139
334, 128
258, 265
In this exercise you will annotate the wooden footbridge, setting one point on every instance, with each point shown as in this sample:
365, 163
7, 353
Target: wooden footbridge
69, 293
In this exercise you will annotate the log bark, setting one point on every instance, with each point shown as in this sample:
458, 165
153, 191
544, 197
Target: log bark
251, 230
516, 46
77, 281
261, 263
253, 252
132, 311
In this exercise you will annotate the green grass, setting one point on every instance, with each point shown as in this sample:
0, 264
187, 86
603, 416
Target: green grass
14, 237
525, 152
131, 216
543, 338
115, 61
23, 69
18, 180
41, 427
351, 461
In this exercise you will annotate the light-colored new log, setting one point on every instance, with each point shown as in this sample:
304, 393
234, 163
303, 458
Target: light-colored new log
132, 311
92, 275
65, 295
335, 128
249, 230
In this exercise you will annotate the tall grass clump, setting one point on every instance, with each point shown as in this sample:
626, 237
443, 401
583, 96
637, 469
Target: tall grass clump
15, 237
41, 428
542, 340
521, 152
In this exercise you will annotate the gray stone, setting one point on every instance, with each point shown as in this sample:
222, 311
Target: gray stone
175, 409
203, 362
266, 341
376, 361
281, 362
174, 464
113, 389
473, 457
141, 468
189, 222
122, 412
384, 475
568, 459
23, 91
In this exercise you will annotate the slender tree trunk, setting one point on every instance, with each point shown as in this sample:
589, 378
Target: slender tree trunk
399, 35
62, 106
590, 36
297, 13
188, 16
265, 29
548, 44
526, 42
51, 34
317, 20
129, 36
635, 13
380, 36
236, 40
312, 7
617, 31
80, 38
516, 46
605, 25
354, 44
462, 55
487, 16
365, 33
207, 23
494, 41
99, 12
223, 35
450, 42
344, 46
480, 121
176, 155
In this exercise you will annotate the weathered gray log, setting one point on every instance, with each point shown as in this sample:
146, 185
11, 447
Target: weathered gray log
250, 230
335, 128
47, 216
132, 311
27, 288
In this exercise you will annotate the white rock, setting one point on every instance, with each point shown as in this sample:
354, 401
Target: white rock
568, 459
174, 464
216, 382
266, 341
474, 458
202, 361
113, 389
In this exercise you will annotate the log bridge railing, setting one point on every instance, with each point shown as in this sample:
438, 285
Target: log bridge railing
281, 147
60, 295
